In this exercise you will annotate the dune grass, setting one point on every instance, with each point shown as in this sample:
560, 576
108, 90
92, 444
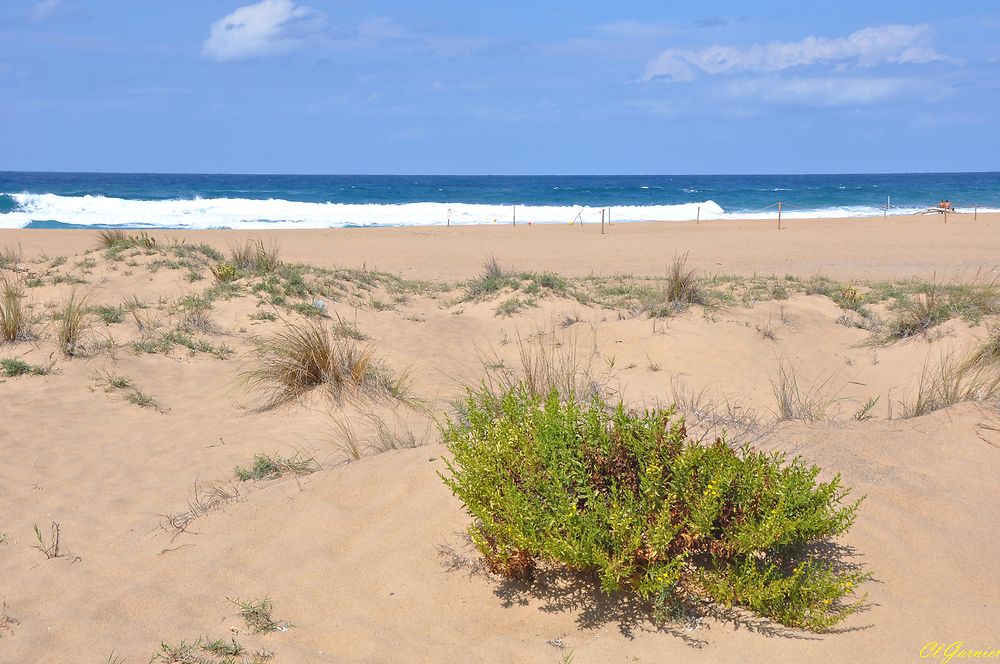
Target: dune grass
795, 402
954, 380
115, 240
15, 311
551, 360
72, 321
307, 355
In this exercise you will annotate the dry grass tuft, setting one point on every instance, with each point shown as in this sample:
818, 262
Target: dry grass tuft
550, 361
681, 288
709, 417
813, 403
15, 310
204, 499
987, 355
306, 355
6, 622
72, 321
379, 434
953, 381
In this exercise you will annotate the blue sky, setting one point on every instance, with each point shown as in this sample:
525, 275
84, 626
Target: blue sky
386, 86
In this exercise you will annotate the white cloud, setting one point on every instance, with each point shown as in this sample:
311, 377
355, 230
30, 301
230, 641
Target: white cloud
819, 92
268, 27
866, 47
46, 9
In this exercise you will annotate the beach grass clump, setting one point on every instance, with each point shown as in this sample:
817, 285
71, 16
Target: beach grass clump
587, 488
255, 257
495, 278
308, 355
16, 323
14, 367
273, 466
681, 287
72, 321
114, 241
919, 313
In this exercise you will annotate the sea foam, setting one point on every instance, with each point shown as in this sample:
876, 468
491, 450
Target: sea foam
198, 213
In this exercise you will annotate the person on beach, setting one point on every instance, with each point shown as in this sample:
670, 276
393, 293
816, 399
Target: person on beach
945, 205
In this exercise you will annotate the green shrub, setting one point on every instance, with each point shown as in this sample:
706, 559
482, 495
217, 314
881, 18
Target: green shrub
626, 496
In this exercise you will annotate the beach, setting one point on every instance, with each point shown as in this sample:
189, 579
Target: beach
797, 343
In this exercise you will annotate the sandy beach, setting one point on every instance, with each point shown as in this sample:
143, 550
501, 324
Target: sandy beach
129, 441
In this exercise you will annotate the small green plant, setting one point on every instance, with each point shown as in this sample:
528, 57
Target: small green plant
257, 615
269, 467
864, 413
50, 547
627, 497
110, 315
269, 316
513, 305
13, 367
223, 648
133, 395
346, 329
225, 272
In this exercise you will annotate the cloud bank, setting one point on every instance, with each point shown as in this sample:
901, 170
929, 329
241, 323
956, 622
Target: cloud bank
864, 48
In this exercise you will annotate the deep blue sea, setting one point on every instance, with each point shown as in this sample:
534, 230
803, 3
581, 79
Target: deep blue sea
136, 200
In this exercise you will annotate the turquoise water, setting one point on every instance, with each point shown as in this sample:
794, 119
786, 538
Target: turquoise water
67, 200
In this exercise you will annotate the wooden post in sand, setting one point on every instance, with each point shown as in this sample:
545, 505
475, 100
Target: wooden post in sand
514, 212
975, 213
609, 217
449, 217
602, 221
697, 219
886, 215
779, 215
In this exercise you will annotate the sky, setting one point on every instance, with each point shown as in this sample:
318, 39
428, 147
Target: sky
518, 87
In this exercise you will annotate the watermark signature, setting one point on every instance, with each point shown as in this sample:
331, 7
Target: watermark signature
956, 650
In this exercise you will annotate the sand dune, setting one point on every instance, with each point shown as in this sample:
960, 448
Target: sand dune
365, 559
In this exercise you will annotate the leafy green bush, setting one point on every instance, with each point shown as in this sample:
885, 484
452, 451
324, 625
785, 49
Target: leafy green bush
595, 489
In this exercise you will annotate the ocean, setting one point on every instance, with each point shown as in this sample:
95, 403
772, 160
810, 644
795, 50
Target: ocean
137, 200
